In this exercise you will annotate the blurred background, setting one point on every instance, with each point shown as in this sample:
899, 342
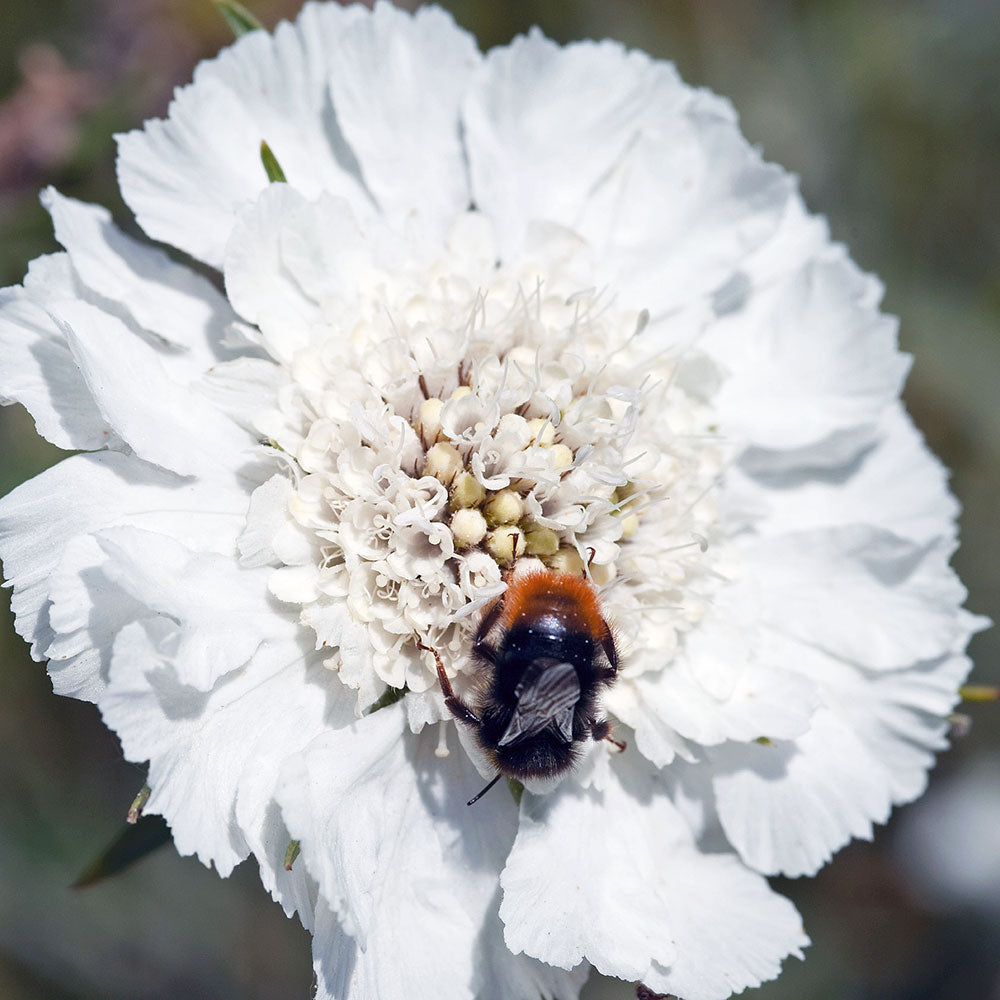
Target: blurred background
890, 114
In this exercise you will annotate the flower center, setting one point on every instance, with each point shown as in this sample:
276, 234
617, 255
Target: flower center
466, 418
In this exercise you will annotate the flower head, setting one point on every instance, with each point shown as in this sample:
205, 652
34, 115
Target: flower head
539, 308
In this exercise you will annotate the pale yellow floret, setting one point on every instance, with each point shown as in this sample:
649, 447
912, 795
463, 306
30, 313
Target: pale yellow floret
567, 561
443, 461
541, 430
630, 522
467, 491
540, 541
506, 507
429, 420
562, 457
503, 542
468, 527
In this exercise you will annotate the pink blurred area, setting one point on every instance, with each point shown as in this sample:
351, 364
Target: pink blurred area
40, 121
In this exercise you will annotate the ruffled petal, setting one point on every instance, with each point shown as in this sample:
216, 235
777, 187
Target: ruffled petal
214, 607
160, 419
40, 371
860, 593
291, 263
786, 807
382, 69
896, 484
199, 744
187, 177
407, 868
809, 360
532, 153
615, 146
718, 686
615, 876
141, 284
79, 497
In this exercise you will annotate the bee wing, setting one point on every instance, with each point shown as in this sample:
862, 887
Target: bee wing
548, 698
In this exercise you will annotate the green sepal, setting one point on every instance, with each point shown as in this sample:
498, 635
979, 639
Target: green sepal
134, 842
516, 789
138, 804
239, 19
391, 696
272, 167
291, 853
979, 692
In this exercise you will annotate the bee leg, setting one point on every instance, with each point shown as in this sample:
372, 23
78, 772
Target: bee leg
600, 729
610, 651
455, 705
480, 647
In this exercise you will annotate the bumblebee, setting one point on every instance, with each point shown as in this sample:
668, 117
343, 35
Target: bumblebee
545, 653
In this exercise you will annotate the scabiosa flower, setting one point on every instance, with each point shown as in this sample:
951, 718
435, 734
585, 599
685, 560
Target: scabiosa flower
542, 307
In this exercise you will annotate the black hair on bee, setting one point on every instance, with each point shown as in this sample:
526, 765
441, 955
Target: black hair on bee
538, 699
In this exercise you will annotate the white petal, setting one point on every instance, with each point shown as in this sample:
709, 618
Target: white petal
900, 715
719, 686
186, 178
39, 369
616, 877
582, 880
787, 807
408, 868
657, 741
267, 515
897, 484
218, 612
861, 593
612, 144
525, 131
160, 419
807, 359
731, 931
685, 206
87, 610
161, 296
86, 493
305, 711
265, 277
200, 744
383, 68
244, 388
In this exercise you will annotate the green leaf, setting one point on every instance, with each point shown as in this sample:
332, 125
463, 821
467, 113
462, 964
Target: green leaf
271, 165
239, 19
134, 842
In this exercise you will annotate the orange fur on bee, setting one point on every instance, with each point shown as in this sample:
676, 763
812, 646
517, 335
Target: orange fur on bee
548, 593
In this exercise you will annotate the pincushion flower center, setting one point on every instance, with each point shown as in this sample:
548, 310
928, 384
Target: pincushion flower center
454, 422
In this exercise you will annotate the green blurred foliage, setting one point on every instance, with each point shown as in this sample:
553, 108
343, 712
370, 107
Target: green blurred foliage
889, 112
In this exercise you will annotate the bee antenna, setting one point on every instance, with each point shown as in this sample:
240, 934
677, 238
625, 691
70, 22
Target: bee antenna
477, 797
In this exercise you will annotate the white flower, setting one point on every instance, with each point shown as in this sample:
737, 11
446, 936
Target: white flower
545, 306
